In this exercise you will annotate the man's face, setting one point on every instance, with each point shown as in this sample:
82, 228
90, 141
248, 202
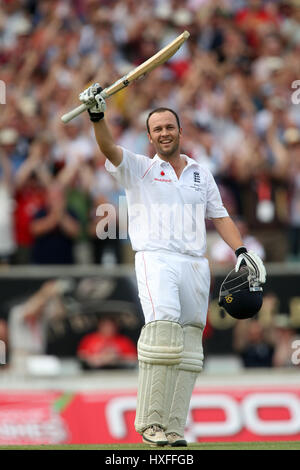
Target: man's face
164, 133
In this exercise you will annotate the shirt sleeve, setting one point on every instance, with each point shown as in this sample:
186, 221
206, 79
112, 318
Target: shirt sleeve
131, 169
214, 203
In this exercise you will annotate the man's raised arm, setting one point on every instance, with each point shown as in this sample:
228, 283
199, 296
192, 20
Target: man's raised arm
102, 133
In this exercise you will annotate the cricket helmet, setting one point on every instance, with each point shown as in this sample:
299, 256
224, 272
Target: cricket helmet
241, 294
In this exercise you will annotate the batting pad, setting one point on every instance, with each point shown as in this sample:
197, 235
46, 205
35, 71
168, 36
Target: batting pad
160, 349
190, 366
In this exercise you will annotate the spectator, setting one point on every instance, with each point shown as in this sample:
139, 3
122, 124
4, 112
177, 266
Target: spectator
13, 147
7, 239
284, 336
104, 232
202, 146
4, 335
256, 17
292, 142
28, 320
77, 179
74, 143
107, 348
252, 344
31, 182
54, 228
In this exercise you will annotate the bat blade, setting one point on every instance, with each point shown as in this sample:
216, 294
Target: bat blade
159, 58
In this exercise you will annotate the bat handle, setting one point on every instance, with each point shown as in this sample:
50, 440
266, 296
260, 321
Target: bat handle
73, 113
80, 109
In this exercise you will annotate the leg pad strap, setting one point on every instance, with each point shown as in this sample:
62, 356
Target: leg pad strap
161, 342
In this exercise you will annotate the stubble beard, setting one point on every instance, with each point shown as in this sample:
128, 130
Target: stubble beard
169, 153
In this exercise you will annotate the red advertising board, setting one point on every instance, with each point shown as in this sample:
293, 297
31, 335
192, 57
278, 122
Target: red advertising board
216, 414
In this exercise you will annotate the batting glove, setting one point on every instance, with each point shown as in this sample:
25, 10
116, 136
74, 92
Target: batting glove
94, 101
253, 261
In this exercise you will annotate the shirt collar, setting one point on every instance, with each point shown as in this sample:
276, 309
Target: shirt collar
162, 162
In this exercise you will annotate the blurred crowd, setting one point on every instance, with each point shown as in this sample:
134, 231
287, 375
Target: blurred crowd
94, 322
64, 319
233, 84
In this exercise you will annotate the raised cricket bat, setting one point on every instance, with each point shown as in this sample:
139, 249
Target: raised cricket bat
159, 58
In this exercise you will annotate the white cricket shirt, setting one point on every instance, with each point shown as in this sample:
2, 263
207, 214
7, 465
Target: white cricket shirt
164, 212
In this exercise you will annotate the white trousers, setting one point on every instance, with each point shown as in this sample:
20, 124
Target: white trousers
173, 287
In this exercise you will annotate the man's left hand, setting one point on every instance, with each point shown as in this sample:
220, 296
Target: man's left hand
254, 263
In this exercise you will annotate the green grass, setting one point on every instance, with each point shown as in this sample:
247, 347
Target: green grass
282, 445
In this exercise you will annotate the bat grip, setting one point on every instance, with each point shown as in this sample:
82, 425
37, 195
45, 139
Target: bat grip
80, 109
73, 113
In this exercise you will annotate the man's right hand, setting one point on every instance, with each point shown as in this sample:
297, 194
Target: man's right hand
92, 98
96, 107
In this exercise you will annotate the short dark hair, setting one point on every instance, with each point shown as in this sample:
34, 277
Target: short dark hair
162, 110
